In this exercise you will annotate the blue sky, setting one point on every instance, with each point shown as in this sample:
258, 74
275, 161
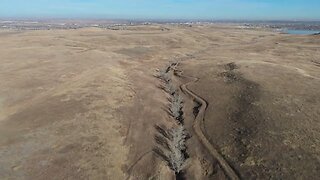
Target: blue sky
163, 9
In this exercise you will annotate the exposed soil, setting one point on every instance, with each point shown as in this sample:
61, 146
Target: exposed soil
201, 105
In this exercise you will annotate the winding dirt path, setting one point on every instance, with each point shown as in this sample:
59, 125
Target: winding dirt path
197, 128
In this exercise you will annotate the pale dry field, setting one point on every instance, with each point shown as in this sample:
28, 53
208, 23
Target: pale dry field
83, 104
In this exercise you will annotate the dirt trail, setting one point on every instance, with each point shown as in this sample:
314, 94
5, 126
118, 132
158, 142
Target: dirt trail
197, 128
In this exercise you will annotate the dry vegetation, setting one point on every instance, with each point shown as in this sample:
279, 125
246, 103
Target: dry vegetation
84, 104
172, 142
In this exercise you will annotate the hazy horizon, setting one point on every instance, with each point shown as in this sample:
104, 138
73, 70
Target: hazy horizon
162, 9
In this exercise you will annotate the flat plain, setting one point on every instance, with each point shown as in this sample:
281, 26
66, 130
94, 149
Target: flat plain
87, 103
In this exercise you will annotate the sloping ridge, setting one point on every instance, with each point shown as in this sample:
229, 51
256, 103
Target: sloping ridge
197, 128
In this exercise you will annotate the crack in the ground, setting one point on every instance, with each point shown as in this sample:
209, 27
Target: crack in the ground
171, 142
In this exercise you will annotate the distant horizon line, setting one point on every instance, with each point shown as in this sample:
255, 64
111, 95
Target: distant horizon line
158, 19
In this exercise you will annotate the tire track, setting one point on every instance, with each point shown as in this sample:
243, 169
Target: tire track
129, 171
198, 123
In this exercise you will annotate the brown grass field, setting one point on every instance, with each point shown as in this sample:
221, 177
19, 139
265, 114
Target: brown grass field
86, 103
